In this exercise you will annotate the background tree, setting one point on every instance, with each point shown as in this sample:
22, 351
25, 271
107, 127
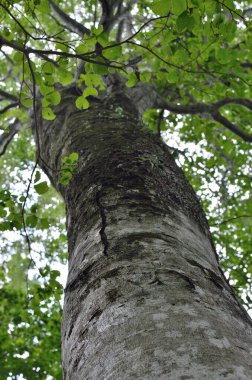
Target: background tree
187, 66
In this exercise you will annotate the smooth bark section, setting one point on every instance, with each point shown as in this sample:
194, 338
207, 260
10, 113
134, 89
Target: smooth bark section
145, 298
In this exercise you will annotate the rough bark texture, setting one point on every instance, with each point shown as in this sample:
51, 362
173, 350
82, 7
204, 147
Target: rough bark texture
145, 298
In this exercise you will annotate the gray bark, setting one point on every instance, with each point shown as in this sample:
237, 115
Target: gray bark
145, 298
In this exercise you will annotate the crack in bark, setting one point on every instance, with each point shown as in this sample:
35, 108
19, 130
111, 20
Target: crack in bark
103, 234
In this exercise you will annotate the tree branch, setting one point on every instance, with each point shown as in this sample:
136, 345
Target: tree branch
70, 23
247, 65
232, 127
9, 106
211, 109
7, 137
240, 101
110, 17
159, 121
230, 220
8, 96
25, 31
107, 14
42, 53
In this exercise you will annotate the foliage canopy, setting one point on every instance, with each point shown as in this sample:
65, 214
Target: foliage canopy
196, 56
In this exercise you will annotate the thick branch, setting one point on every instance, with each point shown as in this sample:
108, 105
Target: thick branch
240, 101
9, 106
8, 96
184, 109
107, 14
232, 127
70, 23
7, 137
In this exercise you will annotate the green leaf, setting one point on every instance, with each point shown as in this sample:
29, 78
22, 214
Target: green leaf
31, 220
103, 39
53, 98
169, 36
113, 53
82, 103
37, 176
45, 89
185, 21
100, 69
44, 223
65, 178
90, 91
34, 208
18, 57
145, 76
3, 212
132, 80
68, 168
224, 55
178, 6
26, 97
25, 100
5, 226
91, 80
97, 31
48, 114
172, 76
48, 68
90, 42
45, 103
82, 49
41, 187
61, 47
73, 157
89, 67
161, 7
64, 76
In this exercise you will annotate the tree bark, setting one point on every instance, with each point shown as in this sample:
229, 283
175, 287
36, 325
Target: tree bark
145, 298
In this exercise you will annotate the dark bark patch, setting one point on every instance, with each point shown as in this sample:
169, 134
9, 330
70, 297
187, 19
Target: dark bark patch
112, 295
103, 234
112, 273
127, 248
96, 315
70, 330
76, 363
83, 334
82, 277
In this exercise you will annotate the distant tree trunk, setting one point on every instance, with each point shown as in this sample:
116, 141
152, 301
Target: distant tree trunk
145, 298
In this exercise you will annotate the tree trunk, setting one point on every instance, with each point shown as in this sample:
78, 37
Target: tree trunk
145, 298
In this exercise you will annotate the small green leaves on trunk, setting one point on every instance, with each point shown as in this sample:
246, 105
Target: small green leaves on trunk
69, 165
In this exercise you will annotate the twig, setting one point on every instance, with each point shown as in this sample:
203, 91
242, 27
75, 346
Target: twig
230, 220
